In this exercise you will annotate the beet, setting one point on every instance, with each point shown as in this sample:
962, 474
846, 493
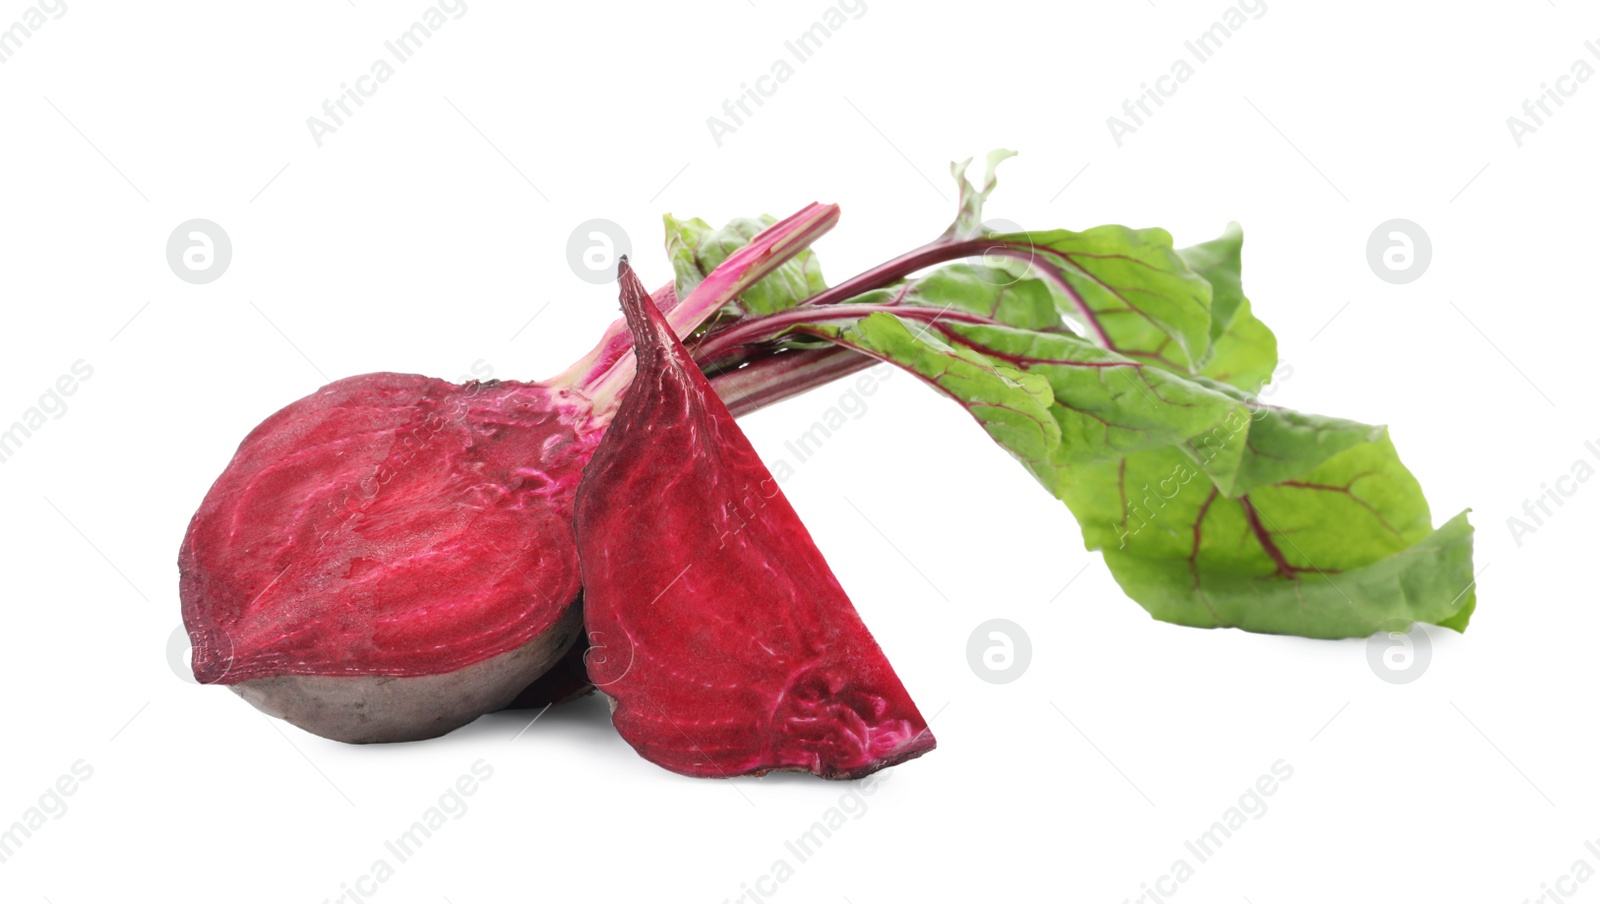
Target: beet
729, 647
391, 556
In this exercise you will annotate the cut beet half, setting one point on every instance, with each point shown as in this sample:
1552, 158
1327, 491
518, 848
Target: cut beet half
718, 630
392, 556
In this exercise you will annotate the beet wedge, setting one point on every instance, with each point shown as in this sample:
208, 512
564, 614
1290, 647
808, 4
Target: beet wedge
724, 640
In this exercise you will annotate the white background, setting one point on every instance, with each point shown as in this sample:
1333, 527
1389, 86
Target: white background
414, 240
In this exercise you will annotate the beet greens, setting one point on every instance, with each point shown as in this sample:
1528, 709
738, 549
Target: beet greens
1124, 375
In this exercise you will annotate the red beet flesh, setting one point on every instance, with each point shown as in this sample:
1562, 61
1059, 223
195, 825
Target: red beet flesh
388, 527
725, 641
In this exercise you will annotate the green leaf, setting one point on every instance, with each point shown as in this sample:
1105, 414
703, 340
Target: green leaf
1122, 373
696, 249
1243, 351
1106, 405
1343, 550
969, 210
1025, 302
1218, 263
1129, 289
1246, 354
1269, 444
1211, 508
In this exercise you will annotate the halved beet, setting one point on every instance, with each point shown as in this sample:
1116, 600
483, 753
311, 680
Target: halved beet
725, 642
391, 556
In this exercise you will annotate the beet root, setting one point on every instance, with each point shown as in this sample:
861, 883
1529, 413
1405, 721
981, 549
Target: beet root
391, 556
726, 643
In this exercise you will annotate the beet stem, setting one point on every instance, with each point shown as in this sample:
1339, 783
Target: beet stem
769, 250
